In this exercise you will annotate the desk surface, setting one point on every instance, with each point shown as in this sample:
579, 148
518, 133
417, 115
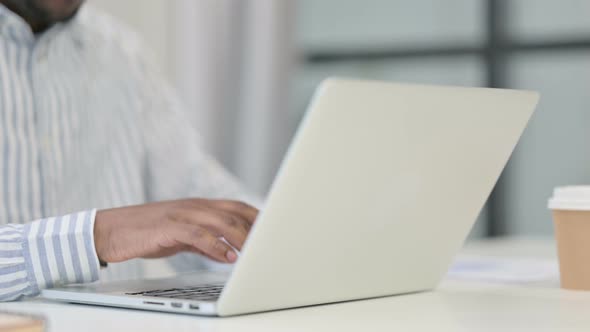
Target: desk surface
454, 306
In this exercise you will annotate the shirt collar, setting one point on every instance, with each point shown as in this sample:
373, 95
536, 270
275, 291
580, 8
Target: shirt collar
15, 27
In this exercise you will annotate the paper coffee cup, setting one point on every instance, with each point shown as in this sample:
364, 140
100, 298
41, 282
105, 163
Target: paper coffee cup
571, 218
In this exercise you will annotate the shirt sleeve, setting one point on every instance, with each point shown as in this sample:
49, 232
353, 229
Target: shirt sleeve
46, 253
177, 164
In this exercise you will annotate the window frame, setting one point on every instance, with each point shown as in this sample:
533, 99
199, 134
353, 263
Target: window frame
495, 52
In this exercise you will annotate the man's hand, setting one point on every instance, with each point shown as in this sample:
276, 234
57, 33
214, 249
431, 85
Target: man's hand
165, 228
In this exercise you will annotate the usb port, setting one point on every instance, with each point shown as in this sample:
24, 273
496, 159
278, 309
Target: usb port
193, 306
176, 304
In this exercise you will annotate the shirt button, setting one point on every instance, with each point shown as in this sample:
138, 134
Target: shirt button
42, 54
46, 143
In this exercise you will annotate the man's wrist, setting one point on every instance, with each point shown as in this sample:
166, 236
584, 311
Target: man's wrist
99, 238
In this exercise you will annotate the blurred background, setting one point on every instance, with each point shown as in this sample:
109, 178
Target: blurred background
246, 70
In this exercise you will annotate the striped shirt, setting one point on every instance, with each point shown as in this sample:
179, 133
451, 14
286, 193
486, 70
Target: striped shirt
86, 123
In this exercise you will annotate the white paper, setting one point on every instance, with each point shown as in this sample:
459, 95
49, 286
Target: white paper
504, 270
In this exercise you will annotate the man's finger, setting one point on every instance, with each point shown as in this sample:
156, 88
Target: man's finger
220, 224
247, 211
233, 228
200, 239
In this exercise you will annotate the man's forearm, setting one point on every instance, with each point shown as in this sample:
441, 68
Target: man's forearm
46, 253
67, 249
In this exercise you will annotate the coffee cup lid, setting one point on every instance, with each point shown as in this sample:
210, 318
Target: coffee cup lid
570, 198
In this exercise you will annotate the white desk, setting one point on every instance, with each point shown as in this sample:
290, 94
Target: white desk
454, 306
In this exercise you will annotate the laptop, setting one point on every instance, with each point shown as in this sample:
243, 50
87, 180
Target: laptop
376, 194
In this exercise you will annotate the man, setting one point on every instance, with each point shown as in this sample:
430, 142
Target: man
86, 124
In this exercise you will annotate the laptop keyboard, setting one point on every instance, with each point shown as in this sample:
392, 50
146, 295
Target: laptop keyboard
199, 293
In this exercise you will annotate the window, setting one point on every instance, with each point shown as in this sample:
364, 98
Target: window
542, 45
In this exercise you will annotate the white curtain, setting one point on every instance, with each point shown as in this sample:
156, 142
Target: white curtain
231, 62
